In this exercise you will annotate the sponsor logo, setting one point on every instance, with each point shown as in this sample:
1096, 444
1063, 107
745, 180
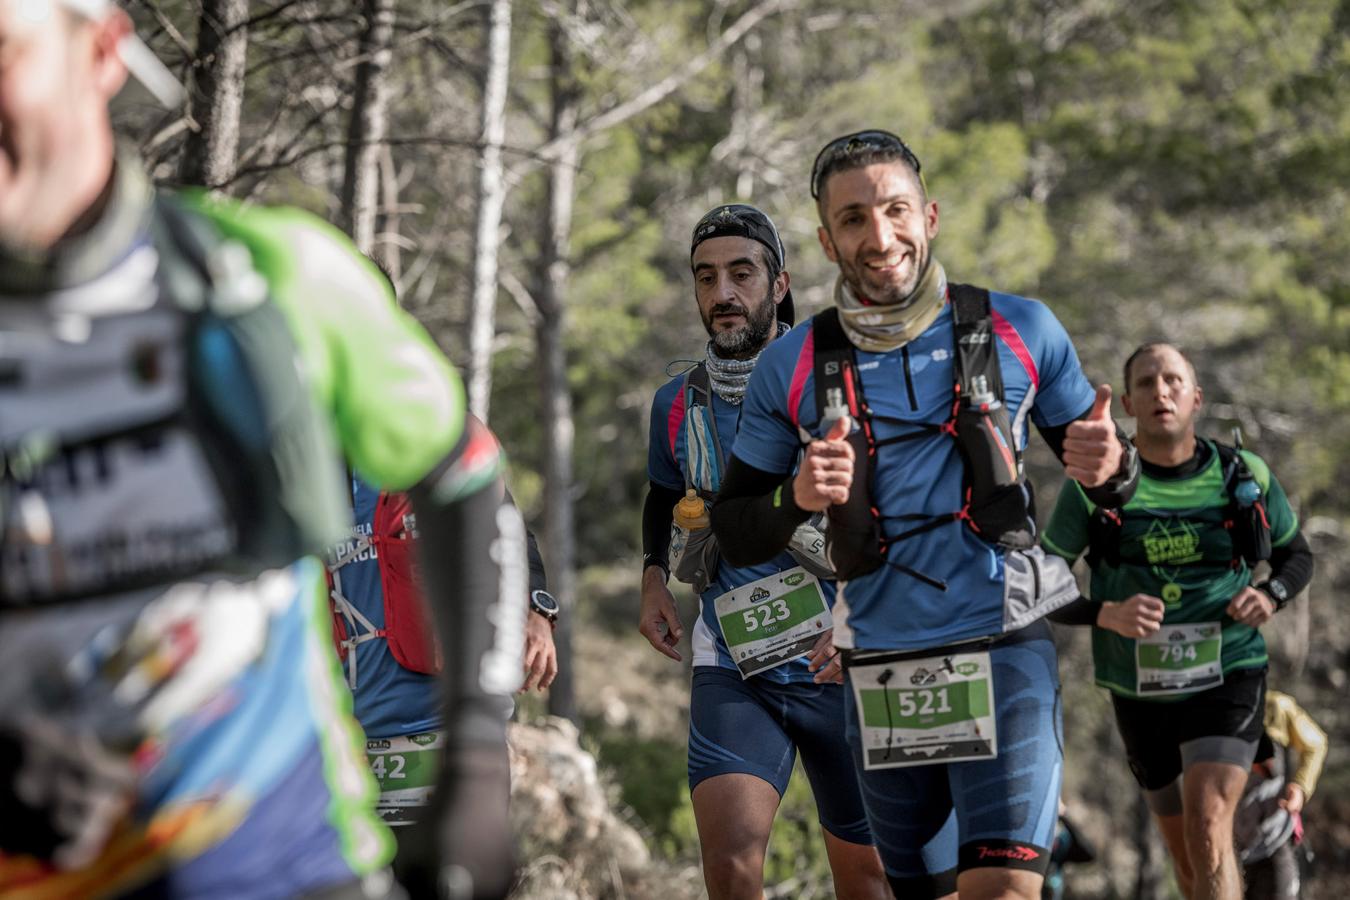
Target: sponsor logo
978, 337
940, 354
759, 594
922, 676
831, 368
1017, 853
1173, 542
378, 745
795, 579
1177, 636
423, 740
968, 668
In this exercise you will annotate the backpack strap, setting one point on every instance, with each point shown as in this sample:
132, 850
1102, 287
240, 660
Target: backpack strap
976, 350
698, 392
833, 366
1245, 517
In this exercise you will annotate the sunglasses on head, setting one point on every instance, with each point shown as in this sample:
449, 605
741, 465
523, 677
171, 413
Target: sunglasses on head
854, 144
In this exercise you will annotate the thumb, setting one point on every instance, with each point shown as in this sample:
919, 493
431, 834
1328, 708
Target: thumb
1101, 406
839, 430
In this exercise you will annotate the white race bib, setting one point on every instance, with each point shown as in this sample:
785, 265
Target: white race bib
771, 621
1179, 659
934, 709
405, 768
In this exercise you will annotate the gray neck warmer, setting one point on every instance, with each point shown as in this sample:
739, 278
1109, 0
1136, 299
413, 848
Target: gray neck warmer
729, 377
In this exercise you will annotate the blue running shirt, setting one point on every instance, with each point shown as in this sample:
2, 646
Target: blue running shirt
667, 456
888, 609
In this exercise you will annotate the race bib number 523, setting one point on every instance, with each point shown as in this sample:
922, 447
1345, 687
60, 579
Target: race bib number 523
768, 622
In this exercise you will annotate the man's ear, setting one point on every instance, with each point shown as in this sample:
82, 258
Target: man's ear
1129, 406
780, 286
110, 72
826, 244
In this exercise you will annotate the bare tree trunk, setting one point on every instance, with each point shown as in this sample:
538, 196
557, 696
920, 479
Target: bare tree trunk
491, 197
551, 295
211, 152
392, 254
369, 122
747, 100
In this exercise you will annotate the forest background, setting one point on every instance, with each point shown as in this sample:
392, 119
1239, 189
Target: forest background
528, 171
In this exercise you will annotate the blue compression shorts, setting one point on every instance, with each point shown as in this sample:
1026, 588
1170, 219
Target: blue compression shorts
757, 727
931, 821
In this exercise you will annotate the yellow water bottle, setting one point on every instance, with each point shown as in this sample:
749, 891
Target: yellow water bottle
689, 530
691, 513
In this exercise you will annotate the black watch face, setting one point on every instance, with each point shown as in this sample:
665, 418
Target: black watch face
544, 602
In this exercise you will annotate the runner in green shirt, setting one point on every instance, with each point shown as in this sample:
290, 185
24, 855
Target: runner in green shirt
1176, 615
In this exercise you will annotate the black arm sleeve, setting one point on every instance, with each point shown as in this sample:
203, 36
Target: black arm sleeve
538, 575
473, 554
1119, 488
1292, 564
1080, 612
753, 519
658, 511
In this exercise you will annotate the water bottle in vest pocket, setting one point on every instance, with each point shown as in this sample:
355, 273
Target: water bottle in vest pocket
1000, 507
694, 555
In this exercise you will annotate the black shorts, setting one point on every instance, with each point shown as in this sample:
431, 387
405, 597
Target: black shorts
1154, 731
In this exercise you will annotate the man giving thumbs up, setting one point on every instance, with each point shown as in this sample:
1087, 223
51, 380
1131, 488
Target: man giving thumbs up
909, 403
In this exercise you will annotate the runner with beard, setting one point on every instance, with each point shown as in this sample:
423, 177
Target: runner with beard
912, 397
765, 684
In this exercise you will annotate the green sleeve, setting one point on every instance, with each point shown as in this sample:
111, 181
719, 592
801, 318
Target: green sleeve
398, 405
1066, 534
1283, 519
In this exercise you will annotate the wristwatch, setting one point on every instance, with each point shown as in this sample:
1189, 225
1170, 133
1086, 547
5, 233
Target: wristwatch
544, 603
1276, 591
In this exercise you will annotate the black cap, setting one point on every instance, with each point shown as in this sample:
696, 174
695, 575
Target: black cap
744, 220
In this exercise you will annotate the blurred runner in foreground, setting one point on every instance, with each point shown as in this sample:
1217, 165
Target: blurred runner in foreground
174, 373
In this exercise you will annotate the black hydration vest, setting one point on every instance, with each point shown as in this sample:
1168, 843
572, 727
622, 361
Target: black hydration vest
167, 439
1244, 518
997, 502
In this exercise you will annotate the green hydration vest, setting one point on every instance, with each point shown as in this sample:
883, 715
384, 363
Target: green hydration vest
1182, 540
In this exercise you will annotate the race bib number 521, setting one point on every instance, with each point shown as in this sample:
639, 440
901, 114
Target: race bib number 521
914, 712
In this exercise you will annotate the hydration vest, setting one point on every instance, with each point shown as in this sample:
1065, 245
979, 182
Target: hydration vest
407, 618
807, 545
1244, 519
161, 439
997, 502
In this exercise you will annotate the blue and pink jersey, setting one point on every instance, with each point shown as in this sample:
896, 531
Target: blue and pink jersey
919, 478
676, 448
